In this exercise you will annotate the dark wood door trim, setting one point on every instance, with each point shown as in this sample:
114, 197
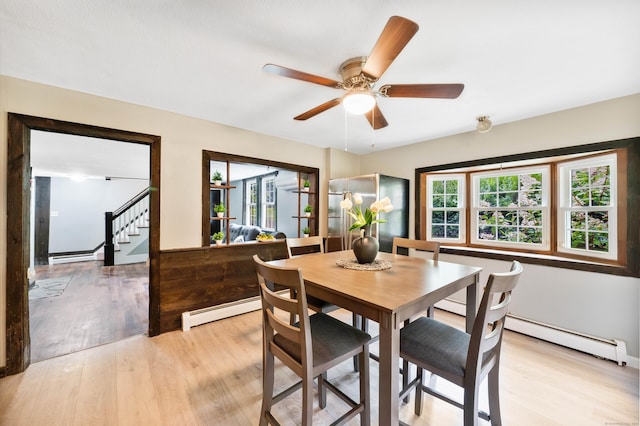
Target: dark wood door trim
18, 206
42, 217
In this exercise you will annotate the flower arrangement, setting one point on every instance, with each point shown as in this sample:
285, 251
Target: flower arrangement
306, 230
369, 216
308, 210
219, 208
218, 236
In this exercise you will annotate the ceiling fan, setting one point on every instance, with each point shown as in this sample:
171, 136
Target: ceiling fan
360, 74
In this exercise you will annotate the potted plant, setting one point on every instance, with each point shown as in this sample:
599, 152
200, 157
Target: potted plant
306, 231
217, 178
219, 209
308, 210
217, 237
306, 185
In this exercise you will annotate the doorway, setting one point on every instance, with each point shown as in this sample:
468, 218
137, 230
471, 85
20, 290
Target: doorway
75, 302
20, 128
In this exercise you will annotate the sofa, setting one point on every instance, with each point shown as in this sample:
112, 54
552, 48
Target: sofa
240, 233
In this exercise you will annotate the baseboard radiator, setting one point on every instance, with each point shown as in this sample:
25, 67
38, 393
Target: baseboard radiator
218, 312
612, 349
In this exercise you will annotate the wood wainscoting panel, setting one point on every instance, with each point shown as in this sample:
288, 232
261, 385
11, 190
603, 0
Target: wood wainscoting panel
202, 277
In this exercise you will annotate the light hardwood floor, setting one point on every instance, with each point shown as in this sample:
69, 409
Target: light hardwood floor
101, 304
211, 375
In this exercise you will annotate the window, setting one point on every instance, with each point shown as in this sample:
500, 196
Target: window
587, 222
251, 202
269, 206
261, 205
511, 208
566, 207
446, 218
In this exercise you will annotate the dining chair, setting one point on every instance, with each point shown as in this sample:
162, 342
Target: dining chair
404, 244
461, 358
307, 245
309, 347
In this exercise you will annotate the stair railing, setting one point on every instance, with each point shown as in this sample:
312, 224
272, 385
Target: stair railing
124, 221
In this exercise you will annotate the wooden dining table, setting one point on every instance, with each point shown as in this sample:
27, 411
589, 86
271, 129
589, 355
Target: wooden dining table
389, 297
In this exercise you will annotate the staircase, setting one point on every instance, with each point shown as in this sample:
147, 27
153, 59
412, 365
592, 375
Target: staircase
127, 232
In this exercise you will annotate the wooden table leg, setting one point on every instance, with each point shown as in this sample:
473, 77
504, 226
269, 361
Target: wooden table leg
388, 388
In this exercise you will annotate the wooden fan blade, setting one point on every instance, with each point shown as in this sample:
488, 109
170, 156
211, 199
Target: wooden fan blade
449, 91
299, 75
317, 110
376, 119
394, 37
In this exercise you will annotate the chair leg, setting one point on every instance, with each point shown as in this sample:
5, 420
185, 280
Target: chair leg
494, 396
267, 388
405, 378
431, 311
418, 401
356, 321
471, 404
365, 397
307, 400
322, 390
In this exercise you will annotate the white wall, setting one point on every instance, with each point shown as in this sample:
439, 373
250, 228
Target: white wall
602, 305
78, 207
183, 139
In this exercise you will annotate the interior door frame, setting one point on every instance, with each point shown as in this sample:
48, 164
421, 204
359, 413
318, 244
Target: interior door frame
18, 345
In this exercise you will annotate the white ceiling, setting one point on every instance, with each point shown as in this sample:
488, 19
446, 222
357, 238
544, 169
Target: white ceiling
204, 59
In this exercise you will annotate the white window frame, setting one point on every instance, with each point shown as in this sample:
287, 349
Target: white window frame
461, 208
265, 203
545, 170
249, 203
565, 208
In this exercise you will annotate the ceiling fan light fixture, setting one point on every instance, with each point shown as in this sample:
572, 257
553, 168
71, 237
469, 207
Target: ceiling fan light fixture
359, 101
484, 124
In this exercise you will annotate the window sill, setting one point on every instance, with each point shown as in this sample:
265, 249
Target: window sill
539, 259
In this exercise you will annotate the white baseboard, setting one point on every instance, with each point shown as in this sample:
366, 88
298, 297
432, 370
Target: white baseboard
218, 312
612, 349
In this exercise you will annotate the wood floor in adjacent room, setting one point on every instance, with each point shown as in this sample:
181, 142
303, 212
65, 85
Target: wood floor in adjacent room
98, 305
212, 375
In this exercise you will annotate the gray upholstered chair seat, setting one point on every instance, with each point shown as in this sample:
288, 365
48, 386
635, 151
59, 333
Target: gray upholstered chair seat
447, 348
330, 339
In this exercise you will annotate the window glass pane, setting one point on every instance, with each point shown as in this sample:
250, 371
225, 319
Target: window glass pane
598, 221
579, 178
508, 199
507, 217
530, 217
507, 233
437, 231
452, 201
600, 176
531, 235
452, 187
487, 233
453, 217
599, 241
508, 183
453, 231
437, 216
578, 239
578, 220
486, 217
438, 201
438, 187
600, 196
488, 200
488, 184
579, 197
